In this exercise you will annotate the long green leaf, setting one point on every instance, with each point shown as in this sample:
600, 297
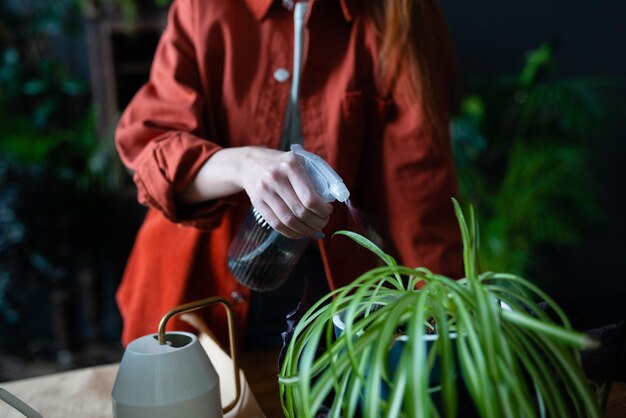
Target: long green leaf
366, 243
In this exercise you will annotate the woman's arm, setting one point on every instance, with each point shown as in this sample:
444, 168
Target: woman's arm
275, 181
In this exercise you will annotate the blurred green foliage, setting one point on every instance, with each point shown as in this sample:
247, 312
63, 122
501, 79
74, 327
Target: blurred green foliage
42, 105
524, 151
129, 9
53, 167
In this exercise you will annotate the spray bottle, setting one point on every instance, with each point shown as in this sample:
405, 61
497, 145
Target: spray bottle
261, 258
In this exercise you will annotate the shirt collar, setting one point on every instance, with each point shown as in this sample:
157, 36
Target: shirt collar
261, 7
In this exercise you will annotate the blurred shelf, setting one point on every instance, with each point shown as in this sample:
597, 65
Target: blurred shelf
120, 56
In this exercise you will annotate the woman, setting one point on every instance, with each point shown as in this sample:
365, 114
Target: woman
363, 84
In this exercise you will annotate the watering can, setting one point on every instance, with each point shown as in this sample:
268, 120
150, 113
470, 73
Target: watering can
168, 375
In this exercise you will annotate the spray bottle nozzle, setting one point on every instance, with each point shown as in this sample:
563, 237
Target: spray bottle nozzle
326, 181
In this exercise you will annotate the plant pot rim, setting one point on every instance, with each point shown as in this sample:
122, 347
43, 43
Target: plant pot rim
339, 324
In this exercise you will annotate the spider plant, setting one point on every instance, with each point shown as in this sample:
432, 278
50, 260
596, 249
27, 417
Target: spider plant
491, 339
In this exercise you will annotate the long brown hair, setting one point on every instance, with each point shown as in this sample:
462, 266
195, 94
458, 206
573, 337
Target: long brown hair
416, 49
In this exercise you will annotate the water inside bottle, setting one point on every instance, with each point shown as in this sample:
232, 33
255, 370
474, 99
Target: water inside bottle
261, 258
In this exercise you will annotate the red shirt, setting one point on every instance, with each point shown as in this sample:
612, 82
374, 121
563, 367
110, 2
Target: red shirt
212, 85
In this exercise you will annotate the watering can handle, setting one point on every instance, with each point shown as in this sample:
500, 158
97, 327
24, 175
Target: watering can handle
18, 404
192, 306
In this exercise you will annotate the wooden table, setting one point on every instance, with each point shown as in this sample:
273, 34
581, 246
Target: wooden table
86, 393
616, 406
261, 370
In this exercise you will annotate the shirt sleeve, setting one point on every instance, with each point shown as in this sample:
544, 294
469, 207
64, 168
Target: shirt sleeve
161, 135
414, 182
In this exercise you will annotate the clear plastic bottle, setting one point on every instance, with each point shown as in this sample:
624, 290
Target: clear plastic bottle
261, 258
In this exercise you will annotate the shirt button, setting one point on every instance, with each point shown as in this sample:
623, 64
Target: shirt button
281, 75
237, 297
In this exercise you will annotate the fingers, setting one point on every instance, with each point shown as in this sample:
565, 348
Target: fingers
287, 199
281, 219
305, 190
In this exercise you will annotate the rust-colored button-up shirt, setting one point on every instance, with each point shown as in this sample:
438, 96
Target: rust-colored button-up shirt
220, 78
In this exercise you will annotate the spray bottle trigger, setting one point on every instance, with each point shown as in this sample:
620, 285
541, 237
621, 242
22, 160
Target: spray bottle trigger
326, 181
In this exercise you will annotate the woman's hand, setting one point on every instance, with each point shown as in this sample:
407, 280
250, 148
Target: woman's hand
276, 183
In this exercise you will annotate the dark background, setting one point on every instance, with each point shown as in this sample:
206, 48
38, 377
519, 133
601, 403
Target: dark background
491, 38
